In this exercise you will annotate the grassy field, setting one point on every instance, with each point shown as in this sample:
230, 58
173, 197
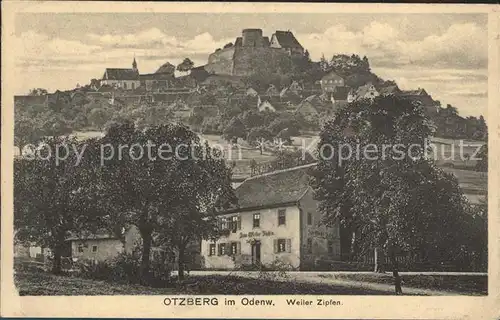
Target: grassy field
471, 285
39, 284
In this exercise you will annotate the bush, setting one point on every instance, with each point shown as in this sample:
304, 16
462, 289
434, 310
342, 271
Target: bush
285, 122
275, 270
28, 266
125, 268
101, 270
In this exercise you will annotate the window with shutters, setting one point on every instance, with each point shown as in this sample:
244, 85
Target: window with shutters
281, 217
234, 248
211, 250
256, 220
223, 224
309, 219
222, 249
80, 248
281, 245
309, 245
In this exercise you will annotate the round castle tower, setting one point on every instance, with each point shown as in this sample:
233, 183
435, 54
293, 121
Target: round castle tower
252, 38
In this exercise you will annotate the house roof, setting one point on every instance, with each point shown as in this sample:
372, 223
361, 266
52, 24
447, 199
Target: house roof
74, 93
105, 88
418, 92
99, 235
274, 188
311, 98
283, 92
331, 75
287, 40
166, 68
363, 90
251, 91
206, 110
315, 99
120, 74
272, 91
419, 95
273, 99
199, 73
295, 86
341, 93
157, 76
266, 41
265, 104
424, 100
389, 90
289, 186
306, 105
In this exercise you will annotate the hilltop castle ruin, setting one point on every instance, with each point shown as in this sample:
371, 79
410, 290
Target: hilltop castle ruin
235, 59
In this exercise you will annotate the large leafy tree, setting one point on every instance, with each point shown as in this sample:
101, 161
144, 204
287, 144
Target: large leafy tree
33, 122
98, 117
482, 163
167, 67
150, 115
37, 92
285, 122
51, 197
203, 188
394, 200
186, 65
26, 131
258, 137
169, 192
234, 130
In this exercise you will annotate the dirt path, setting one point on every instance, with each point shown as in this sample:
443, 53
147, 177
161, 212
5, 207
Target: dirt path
328, 278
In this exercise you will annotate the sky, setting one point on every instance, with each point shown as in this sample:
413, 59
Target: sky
447, 54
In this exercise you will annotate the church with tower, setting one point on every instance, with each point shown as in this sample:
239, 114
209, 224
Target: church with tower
131, 79
123, 78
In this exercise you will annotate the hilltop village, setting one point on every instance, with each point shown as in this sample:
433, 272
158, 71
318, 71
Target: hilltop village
254, 74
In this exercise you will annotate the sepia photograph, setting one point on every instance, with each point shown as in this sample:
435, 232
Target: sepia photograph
198, 154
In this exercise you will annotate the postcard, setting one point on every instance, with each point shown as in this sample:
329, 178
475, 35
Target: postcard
250, 160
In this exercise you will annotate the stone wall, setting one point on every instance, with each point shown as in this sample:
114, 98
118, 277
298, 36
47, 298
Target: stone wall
221, 62
246, 58
241, 61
